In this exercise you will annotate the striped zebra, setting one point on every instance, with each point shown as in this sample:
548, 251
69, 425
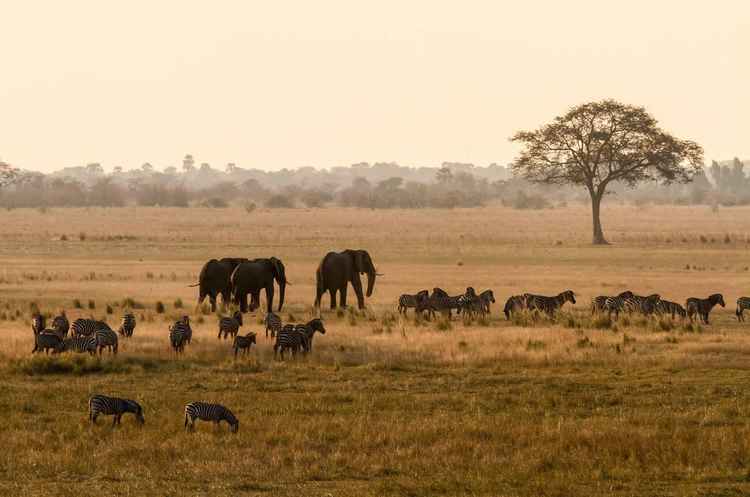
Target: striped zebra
486, 298
440, 301
230, 325
179, 334
273, 324
61, 325
616, 304
407, 301
114, 406
514, 304
209, 412
288, 339
127, 325
80, 344
87, 327
106, 338
597, 304
643, 305
243, 343
549, 305
702, 307
48, 340
38, 323
742, 304
665, 307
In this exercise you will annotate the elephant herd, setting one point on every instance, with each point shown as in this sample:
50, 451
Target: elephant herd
234, 279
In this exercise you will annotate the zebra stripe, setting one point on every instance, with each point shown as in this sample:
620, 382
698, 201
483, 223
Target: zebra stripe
549, 305
209, 412
616, 304
106, 339
80, 344
61, 325
38, 323
127, 325
87, 327
230, 326
643, 305
407, 301
670, 308
273, 324
289, 338
743, 303
702, 307
514, 304
243, 343
114, 406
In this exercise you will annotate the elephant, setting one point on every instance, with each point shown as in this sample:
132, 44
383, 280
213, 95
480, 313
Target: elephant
338, 269
252, 276
215, 280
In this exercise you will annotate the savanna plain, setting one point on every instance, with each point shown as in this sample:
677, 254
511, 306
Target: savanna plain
384, 405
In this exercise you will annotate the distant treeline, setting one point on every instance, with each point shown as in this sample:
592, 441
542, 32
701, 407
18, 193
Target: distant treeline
377, 186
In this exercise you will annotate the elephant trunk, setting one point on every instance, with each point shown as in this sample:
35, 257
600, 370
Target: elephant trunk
371, 274
282, 289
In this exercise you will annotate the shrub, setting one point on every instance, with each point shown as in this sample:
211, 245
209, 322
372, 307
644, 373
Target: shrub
444, 324
92, 304
529, 201
82, 236
109, 309
250, 207
159, 308
178, 303
279, 202
77, 304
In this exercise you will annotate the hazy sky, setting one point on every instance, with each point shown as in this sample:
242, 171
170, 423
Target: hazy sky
325, 83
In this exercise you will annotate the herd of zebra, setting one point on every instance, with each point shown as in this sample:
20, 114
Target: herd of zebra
116, 407
472, 304
92, 336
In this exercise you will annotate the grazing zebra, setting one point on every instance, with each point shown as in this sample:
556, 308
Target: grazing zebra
38, 323
61, 325
440, 301
178, 335
46, 340
486, 298
209, 412
742, 304
230, 326
616, 304
702, 307
549, 305
114, 406
407, 301
273, 324
597, 304
127, 325
106, 338
80, 344
243, 343
516, 303
673, 308
87, 327
643, 305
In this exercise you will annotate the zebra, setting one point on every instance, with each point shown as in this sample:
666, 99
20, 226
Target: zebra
406, 301
127, 325
742, 304
486, 298
308, 330
80, 344
598, 303
616, 304
106, 338
179, 332
114, 406
87, 327
297, 337
644, 305
243, 343
549, 305
61, 325
702, 307
38, 323
209, 412
46, 340
441, 301
273, 324
230, 326
673, 308
469, 302
515, 303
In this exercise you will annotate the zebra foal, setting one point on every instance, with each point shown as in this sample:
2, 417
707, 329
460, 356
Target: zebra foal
243, 343
230, 325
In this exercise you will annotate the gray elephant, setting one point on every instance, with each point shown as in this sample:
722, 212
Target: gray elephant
215, 280
337, 270
250, 277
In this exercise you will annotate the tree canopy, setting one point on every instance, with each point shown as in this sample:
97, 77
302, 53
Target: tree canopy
600, 143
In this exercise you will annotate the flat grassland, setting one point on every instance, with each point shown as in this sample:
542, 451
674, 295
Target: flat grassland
384, 405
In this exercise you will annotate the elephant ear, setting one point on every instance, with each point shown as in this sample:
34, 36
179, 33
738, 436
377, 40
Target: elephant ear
278, 267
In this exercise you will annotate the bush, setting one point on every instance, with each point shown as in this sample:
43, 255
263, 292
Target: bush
250, 207
109, 309
279, 201
530, 201
214, 202
159, 307
178, 303
92, 304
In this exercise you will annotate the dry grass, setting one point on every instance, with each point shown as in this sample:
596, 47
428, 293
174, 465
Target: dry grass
384, 405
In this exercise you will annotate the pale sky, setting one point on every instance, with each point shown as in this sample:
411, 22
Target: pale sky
277, 84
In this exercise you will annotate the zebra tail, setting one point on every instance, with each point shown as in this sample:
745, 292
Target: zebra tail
738, 311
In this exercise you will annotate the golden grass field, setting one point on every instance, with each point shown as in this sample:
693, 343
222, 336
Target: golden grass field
384, 406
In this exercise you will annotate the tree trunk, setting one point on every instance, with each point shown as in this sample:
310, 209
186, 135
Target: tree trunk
596, 200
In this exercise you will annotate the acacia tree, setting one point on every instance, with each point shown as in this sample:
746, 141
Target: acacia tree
599, 143
8, 174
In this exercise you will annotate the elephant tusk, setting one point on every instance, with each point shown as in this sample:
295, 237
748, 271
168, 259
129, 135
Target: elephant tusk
288, 282
379, 274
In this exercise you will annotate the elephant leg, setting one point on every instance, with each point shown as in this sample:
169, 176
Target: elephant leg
269, 297
212, 298
343, 297
243, 302
332, 293
357, 284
